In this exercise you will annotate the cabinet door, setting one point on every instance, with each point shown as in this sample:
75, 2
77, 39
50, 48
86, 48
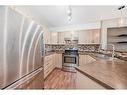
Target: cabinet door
83, 37
54, 37
89, 36
61, 38
96, 35
62, 35
48, 65
47, 36
82, 60
85, 59
58, 61
54, 60
89, 59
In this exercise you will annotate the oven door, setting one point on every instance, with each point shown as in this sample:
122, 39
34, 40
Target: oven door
69, 60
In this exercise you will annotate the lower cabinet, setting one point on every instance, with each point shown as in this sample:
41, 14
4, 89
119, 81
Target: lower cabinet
48, 65
84, 59
55, 61
51, 62
58, 60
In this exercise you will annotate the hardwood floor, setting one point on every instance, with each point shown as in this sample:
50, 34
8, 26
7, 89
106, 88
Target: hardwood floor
59, 79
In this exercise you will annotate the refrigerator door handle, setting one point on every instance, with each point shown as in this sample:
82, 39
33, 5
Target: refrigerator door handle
24, 79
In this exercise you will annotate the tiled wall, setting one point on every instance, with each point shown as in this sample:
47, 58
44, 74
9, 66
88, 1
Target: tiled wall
81, 47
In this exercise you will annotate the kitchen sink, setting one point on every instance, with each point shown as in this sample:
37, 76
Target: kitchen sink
105, 57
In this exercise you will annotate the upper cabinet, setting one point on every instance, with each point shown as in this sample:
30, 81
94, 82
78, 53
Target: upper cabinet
96, 35
47, 36
54, 37
62, 35
85, 36
89, 36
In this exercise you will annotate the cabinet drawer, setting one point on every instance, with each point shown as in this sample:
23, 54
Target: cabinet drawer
48, 58
48, 66
48, 62
48, 71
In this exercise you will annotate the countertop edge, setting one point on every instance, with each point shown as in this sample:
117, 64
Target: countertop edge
94, 79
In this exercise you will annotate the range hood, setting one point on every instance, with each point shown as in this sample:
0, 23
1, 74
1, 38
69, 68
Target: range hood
71, 38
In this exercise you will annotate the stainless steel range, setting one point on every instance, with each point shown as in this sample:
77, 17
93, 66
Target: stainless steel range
70, 60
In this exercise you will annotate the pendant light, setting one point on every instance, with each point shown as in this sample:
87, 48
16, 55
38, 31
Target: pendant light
69, 14
120, 22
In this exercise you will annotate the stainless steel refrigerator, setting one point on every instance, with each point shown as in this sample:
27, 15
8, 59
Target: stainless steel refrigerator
21, 49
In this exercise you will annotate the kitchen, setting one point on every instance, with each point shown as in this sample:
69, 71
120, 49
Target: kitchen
39, 50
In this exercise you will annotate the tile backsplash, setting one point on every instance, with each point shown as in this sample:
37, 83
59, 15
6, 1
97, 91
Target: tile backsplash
80, 47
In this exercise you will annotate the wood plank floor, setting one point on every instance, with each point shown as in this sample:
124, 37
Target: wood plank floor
59, 79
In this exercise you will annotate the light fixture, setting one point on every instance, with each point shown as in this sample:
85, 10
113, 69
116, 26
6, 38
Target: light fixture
120, 22
69, 18
69, 10
69, 14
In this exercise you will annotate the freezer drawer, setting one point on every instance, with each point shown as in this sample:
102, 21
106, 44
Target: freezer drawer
34, 80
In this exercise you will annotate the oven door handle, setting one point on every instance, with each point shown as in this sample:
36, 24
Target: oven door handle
70, 56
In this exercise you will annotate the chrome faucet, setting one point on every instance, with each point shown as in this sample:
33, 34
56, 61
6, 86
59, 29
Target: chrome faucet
113, 50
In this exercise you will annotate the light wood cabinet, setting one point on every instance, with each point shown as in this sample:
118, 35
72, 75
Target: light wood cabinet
89, 36
63, 35
48, 65
47, 36
54, 38
58, 60
96, 36
50, 62
85, 59
85, 36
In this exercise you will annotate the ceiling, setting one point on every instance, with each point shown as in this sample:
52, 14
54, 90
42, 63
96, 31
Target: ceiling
56, 16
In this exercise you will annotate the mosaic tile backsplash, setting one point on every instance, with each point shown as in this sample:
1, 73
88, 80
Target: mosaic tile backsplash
80, 47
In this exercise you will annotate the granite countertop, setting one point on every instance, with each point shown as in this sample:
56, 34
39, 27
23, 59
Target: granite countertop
111, 74
49, 53
117, 54
121, 56
52, 52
